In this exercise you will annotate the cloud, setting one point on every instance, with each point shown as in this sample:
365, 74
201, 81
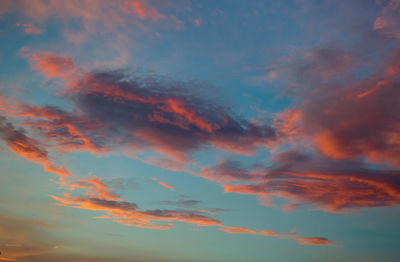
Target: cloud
387, 22
321, 241
53, 66
140, 113
102, 198
357, 126
166, 185
29, 29
354, 119
114, 19
230, 171
332, 185
341, 135
270, 233
198, 22
29, 148
238, 230
346, 125
96, 188
140, 9
128, 214
92, 18
307, 69
314, 241
323, 64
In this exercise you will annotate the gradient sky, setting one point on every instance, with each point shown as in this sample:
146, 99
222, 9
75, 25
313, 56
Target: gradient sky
199, 131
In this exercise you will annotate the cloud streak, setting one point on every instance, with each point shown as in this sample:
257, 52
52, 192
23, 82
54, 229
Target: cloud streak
314, 241
29, 148
128, 214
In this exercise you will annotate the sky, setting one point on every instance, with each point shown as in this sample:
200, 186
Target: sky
199, 131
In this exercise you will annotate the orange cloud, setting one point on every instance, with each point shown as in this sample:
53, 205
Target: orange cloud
169, 122
288, 124
177, 107
237, 230
50, 119
128, 214
102, 198
166, 185
292, 235
277, 234
346, 119
308, 179
29, 148
315, 241
53, 66
97, 186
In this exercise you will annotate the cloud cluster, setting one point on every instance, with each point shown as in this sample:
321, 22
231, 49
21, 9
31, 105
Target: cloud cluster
357, 119
341, 135
343, 139
332, 185
116, 109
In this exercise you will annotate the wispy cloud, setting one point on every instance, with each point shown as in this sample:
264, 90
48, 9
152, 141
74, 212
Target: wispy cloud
29, 29
315, 241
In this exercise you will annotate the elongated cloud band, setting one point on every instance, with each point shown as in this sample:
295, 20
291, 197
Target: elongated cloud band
315, 241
